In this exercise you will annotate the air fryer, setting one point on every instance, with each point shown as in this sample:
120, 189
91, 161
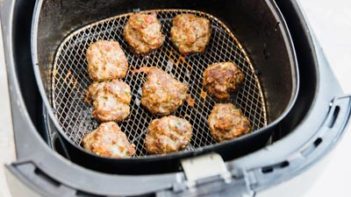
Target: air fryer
305, 107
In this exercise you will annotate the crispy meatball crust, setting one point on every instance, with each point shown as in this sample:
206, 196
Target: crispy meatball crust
110, 100
109, 141
227, 122
143, 33
167, 134
92, 91
161, 93
106, 61
219, 79
190, 33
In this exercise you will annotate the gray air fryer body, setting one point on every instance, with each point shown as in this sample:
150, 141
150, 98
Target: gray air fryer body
308, 120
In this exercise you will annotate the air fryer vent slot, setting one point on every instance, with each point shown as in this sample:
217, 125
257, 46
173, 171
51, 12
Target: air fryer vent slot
334, 117
87, 194
269, 169
46, 177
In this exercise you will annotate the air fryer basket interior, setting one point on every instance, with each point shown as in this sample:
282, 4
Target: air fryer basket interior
70, 80
256, 26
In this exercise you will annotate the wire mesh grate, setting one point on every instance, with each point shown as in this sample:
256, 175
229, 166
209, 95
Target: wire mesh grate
70, 80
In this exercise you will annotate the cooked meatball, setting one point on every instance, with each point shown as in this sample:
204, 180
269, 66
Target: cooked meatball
167, 134
106, 61
143, 32
227, 122
161, 93
92, 91
190, 33
109, 141
110, 100
220, 79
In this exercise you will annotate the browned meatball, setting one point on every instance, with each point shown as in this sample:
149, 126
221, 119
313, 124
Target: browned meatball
161, 93
143, 32
109, 141
92, 91
220, 79
227, 122
168, 134
106, 61
110, 100
190, 33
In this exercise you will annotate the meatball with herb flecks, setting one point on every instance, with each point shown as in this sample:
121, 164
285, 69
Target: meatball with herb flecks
161, 93
108, 140
167, 134
227, 122
106, 61
143, 32
190, 33
222, 78
110, 100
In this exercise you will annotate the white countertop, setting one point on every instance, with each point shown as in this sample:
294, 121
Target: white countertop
331, 22
7, 153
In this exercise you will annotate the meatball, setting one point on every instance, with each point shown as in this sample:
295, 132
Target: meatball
110, 100
92, 91
190, 33
227, 122
106, 61
167, 134
143, 32
220, 79
109, 141
161, 93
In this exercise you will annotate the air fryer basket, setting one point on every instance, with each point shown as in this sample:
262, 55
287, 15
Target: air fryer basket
70, 80
60, 38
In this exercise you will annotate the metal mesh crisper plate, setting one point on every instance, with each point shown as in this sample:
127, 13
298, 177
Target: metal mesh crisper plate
70, 80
